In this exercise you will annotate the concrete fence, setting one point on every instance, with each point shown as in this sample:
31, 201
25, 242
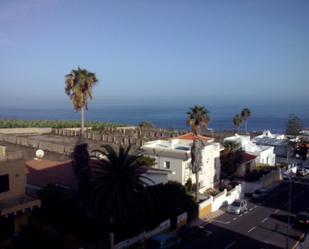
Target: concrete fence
213, 203
25, 130
163, 227
8, 155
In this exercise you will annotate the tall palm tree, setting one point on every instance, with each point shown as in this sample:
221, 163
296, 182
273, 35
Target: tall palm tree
237, 121
245, 114
118, 185
198, 117
79, 84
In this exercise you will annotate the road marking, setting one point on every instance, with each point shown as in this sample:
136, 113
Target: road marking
251, 229
240, 215
230, 245
246, 212
298, 241
222, 222
277, 211
265, 219
255, 206
251, 209
235, 218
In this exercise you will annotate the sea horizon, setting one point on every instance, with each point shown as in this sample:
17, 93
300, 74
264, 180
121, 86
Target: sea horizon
271, 117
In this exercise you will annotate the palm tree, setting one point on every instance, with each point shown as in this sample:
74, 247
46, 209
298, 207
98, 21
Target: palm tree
245, 114
79, 84
237, 121
198, 117
231, 146
118, 187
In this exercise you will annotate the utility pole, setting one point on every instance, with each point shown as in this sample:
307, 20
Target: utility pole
289, 212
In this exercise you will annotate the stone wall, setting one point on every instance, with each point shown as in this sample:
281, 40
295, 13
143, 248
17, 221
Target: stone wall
113, 136
25, 130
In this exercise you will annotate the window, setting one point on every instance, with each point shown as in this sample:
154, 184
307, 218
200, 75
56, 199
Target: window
4, 183
167, 164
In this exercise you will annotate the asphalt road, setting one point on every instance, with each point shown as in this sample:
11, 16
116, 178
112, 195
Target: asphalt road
263, 226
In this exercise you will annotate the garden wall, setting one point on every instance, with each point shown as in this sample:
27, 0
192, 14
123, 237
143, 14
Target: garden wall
213, 203
265, 181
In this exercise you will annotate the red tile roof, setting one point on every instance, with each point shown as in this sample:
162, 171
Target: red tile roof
44, 172
247, 158
191, 136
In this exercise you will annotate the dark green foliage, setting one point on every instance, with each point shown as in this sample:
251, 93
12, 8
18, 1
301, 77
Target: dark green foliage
171, 200
237, 121
294, 125
57, 124
230, 161
119, 196
146, 161
257, 173
146, 124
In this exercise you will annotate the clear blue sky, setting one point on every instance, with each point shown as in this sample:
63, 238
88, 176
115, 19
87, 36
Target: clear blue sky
250, 49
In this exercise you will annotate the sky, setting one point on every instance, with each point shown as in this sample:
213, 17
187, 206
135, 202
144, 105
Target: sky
232, 50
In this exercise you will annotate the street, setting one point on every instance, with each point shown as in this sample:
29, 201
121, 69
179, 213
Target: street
263, 226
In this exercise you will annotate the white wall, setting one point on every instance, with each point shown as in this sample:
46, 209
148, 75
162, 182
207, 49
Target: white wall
268, 157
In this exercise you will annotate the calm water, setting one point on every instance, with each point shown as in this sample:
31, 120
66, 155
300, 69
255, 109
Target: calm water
271, 117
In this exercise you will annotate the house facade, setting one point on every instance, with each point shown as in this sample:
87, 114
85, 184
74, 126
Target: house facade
15, 204
175, 155
264, 154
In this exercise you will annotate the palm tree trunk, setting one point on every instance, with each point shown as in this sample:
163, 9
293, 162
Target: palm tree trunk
82, 121
246, 126
111, 240
197, 187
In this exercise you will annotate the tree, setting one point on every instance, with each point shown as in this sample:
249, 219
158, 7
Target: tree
231, 146
198, 117
81, 166
237, 121
79, 84
146, 124
245, 114
119, 194
294, 125
231, 157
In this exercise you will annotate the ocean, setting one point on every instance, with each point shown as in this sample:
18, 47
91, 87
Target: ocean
271, 117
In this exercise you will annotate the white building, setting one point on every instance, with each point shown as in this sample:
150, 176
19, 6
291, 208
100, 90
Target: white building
265, 154
175, 155
278, 141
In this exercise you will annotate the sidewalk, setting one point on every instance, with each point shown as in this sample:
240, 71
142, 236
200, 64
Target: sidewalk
208, 219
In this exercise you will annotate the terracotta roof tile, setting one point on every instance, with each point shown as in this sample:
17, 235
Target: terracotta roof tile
191, 136
247, 157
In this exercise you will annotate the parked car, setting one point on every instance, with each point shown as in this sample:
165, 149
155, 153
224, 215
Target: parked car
237, 207
302, 172
163, 241
302, 220
191, 233
260, 194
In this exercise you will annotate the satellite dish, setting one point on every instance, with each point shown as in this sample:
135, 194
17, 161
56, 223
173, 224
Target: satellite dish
39, 154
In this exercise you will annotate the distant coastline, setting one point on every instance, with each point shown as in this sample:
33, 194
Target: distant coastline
271, 118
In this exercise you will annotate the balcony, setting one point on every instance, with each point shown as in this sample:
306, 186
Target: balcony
18, 204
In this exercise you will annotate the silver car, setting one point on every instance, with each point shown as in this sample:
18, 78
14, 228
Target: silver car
237, 207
